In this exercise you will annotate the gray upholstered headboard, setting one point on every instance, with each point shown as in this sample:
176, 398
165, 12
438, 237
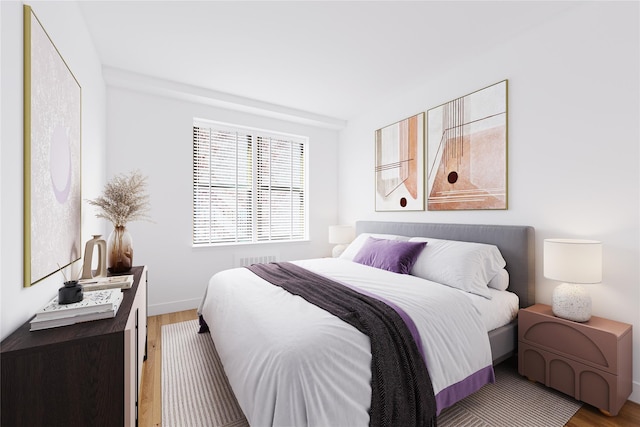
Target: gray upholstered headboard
516, 243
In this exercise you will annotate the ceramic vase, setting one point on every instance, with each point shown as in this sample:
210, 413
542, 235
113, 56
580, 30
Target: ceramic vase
119, 250
101, 271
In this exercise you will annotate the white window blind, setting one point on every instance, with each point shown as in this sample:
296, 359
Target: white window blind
248, 185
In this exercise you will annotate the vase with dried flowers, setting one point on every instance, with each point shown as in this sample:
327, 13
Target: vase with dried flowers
124, 200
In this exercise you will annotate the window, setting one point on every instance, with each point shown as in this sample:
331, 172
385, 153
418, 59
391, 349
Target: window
248, 185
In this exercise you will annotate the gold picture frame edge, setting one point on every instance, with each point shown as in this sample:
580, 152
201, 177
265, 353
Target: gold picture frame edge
506, 144
28, 11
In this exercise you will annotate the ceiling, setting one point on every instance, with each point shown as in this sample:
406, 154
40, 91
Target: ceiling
332, 58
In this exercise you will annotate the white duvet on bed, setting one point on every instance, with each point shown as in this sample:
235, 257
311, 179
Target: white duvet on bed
291, 363
501, 309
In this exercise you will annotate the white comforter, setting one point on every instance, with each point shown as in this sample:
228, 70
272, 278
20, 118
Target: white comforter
291, 363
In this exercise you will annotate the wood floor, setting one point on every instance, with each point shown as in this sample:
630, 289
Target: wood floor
150, 413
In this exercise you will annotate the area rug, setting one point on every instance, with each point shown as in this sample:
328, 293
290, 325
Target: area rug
512, 401
195, 391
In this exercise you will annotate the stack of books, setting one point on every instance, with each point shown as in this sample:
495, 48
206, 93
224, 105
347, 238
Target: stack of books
102, 304
98, 283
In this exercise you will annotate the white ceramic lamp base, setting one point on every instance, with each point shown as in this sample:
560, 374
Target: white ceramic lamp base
337, 250
572, 302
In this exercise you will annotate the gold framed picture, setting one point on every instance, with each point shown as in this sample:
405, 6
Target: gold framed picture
52, 158
399, 167
467, 151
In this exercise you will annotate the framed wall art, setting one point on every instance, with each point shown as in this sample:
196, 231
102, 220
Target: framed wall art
399, 167
467, 151
52, 141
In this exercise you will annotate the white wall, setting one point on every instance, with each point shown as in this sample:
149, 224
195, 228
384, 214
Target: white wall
66, 27
573, 144
153, 133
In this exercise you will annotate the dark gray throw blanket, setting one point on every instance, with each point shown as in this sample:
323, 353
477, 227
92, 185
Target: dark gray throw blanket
401, 390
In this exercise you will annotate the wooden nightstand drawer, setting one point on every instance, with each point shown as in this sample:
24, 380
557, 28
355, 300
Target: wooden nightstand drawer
592, 386
586, 342
590, 361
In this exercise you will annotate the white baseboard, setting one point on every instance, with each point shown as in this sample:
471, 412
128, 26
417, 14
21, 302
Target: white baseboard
172, 307
635, 392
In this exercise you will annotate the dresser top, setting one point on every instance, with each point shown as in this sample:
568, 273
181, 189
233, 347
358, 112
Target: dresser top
22, 339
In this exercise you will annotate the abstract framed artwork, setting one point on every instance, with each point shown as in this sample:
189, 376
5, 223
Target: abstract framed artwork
467, 151
52, 158
399, 167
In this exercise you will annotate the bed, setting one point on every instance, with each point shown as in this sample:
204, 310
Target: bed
292, 363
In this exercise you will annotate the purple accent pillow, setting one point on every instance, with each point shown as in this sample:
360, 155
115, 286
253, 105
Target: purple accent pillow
393, 255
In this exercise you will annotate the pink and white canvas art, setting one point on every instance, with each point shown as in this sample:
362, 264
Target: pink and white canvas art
400, 165
467, 151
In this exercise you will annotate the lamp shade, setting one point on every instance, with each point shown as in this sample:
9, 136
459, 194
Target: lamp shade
573, 260
341, 234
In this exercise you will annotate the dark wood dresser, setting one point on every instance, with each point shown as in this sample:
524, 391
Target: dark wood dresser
87, 374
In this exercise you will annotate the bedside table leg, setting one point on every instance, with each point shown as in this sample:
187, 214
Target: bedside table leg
607, 413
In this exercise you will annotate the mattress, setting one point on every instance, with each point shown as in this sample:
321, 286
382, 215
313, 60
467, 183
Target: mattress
498, 311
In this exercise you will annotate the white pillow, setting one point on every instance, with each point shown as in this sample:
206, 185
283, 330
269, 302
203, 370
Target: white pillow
463, 265
357, 244
500, 281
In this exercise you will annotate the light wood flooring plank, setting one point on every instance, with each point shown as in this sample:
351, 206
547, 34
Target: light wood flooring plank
150, 412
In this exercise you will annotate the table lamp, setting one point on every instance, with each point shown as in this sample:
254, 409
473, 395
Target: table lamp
574, 262
341, 236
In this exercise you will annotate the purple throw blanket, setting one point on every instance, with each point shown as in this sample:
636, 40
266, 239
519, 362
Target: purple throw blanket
401, 390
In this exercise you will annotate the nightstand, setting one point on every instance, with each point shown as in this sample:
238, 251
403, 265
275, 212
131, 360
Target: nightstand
590, 361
